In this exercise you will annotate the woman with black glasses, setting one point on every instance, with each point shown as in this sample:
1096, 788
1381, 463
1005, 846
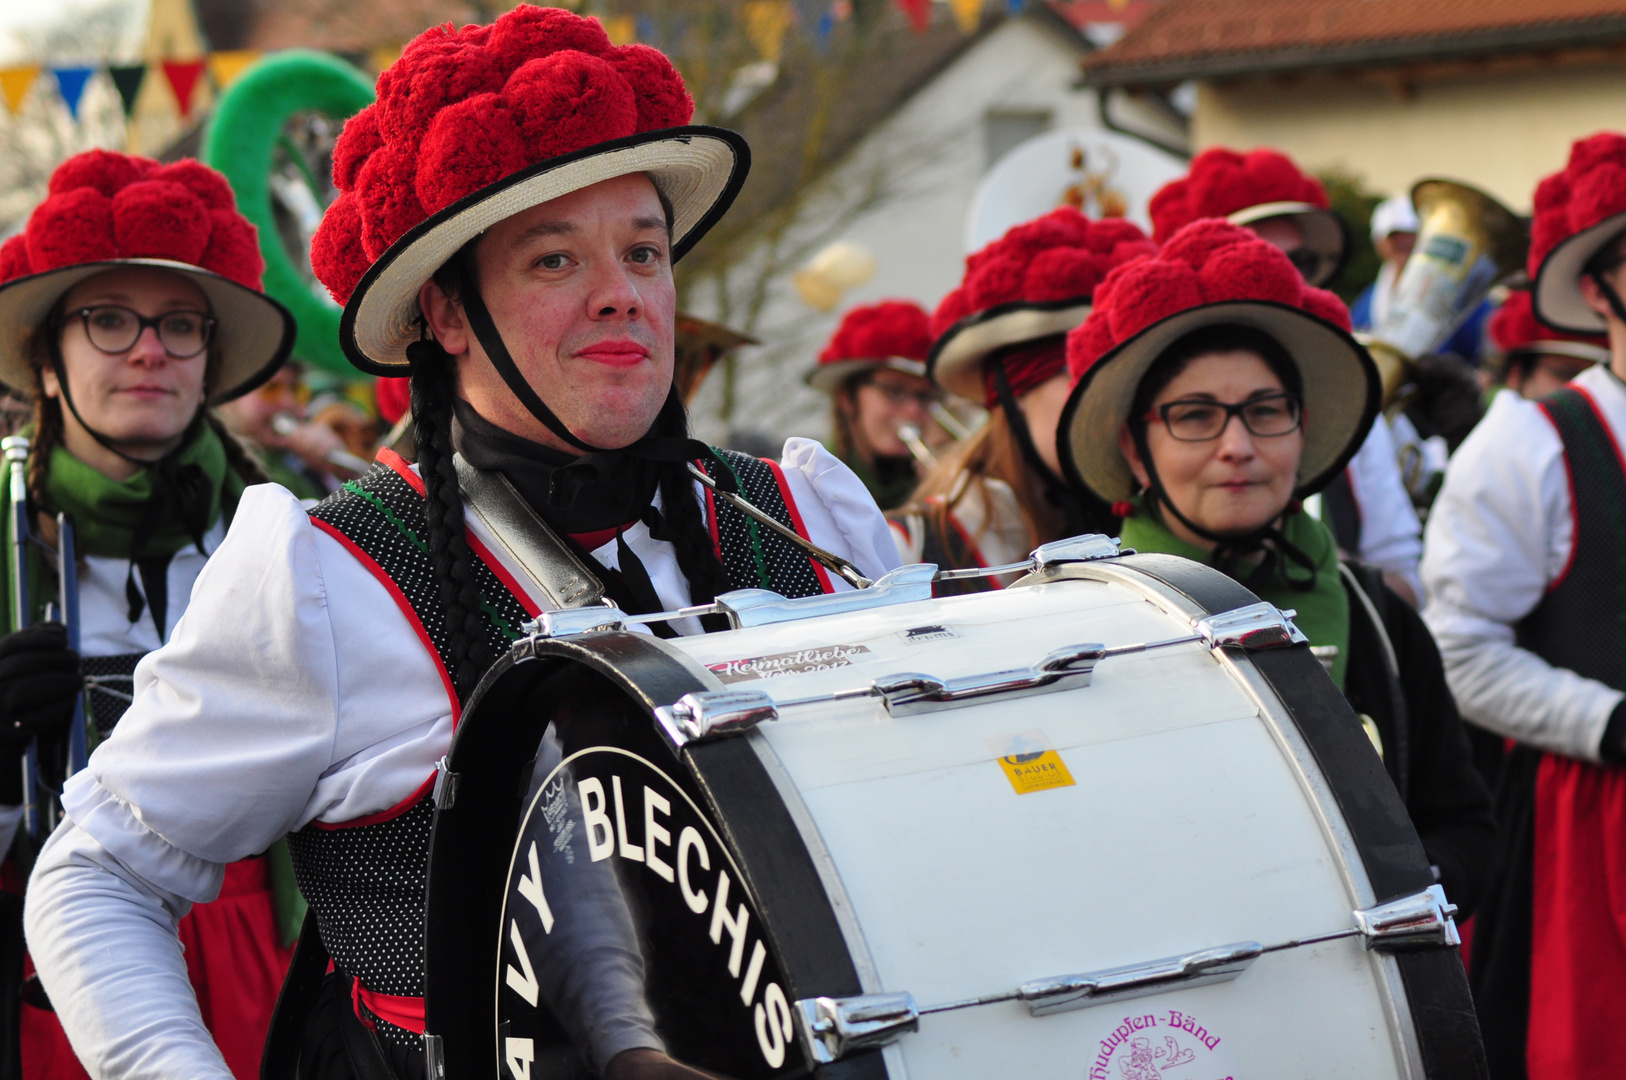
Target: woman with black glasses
129, 305
1214, 390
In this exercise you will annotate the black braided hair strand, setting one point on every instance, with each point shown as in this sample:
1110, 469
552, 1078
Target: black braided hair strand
432, 392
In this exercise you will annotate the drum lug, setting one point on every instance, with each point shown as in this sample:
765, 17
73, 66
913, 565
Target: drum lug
1075, 549
1422, 920
434, 1056
1257, 626
832, 1028
445, 793
1066, 992
909, 693
712, 714
582, 620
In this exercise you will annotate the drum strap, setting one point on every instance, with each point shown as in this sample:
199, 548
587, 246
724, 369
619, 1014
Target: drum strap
530, 542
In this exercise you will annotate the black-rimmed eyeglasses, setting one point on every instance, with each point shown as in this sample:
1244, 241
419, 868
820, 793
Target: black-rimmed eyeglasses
1200, 421
115, 329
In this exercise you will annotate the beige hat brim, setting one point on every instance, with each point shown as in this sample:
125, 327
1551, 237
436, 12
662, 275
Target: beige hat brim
1557, 294
955, 362
253, 337
699, 169
1324, 232
828, 378
1341, 393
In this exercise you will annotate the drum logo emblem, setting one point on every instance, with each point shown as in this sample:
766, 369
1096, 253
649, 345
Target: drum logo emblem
1029, 761
1169, 1044
772, 666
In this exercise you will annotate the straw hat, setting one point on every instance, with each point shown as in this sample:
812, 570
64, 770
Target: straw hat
472, 126
892, 334
1578, 211
1212, 273
1032, 283
104, 211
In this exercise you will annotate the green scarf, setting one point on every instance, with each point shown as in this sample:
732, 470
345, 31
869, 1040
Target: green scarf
106, 512
1323, 611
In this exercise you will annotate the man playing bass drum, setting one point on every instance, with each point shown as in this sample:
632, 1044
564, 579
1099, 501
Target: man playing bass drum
509, 213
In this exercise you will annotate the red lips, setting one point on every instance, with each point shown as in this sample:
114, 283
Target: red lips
616, 352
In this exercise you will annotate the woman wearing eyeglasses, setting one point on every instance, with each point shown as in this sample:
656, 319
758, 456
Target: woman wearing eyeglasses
128, 306
1215, 390
874, 370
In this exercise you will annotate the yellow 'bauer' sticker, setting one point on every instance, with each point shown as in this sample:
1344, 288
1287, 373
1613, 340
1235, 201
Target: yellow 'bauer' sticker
1036, 772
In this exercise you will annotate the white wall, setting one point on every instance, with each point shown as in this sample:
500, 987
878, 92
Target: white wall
933, 148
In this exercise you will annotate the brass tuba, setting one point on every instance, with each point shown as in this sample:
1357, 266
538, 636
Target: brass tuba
1467, 242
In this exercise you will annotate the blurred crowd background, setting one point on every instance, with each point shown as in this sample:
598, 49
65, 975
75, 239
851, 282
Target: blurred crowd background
890, 138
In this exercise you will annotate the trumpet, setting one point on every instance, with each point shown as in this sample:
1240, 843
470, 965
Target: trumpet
1467, 243
42, 808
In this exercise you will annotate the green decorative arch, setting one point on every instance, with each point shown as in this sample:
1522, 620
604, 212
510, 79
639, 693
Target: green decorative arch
241, 140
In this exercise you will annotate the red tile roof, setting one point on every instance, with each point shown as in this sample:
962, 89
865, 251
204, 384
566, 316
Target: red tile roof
1181, 39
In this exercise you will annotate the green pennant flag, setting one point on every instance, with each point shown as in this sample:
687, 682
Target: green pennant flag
127, 78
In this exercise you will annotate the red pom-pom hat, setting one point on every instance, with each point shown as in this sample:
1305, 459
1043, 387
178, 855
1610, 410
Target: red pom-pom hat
105, 210
1517, 332
1032, 283
1246, 189
892, 334
1577, 213
1212, 273
472, 126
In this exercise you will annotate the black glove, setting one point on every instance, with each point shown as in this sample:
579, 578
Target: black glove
39, 683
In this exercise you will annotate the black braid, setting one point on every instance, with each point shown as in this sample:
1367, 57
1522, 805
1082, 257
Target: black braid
239, 457
448, 546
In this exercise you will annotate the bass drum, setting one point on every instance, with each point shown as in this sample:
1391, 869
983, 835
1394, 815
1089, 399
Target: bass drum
1106, 835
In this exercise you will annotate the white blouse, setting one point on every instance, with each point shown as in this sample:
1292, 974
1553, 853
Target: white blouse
1498, 537
294, 689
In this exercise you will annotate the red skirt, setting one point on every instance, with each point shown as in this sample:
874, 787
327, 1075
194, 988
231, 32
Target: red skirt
1578, 910
236, 961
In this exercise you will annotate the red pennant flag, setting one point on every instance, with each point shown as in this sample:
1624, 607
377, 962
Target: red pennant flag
183, 79
919, 12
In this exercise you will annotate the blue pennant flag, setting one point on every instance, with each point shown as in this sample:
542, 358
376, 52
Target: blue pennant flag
1014, 6
70, 82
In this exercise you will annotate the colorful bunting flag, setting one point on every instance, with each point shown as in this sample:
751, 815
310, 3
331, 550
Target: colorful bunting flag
70, 83
766, 22
1015, 6
14, 83
127, 79
227, 65
919, 12
967, 14
183, 79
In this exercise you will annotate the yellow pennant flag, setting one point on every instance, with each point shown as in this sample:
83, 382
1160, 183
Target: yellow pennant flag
967, 14
623, 29
382, 56
225, 66
766, 22
14, 83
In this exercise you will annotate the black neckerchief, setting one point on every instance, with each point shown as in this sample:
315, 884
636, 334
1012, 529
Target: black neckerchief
616, 491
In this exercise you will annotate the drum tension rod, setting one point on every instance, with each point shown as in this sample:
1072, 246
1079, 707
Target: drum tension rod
832, 1028
831, 561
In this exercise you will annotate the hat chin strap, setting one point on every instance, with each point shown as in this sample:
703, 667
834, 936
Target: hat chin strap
1610, 296
1056, 490
648, 447
1267, 538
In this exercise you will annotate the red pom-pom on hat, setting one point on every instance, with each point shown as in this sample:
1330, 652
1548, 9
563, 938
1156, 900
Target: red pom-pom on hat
336, 249
1590, 188
462, 109
1514, 326
1060, 256
1207, 262
891, 328
1223, 181
105, 206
